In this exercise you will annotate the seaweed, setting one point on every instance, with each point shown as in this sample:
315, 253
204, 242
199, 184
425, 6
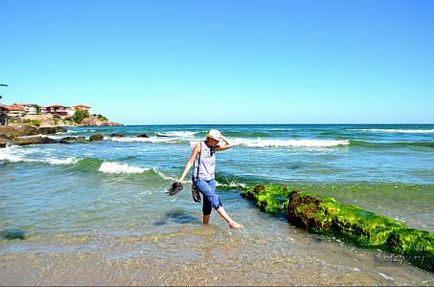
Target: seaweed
325, 215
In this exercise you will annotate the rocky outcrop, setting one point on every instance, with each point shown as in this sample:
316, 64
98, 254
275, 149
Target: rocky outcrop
96, 137
97, 121
117, 135
142, 136
68, 140
325, 215
33, 140
26, 134
13, 132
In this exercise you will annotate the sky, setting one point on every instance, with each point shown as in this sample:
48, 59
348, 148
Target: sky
226, 61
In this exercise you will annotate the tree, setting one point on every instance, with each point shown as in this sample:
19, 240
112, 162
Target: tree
79, 116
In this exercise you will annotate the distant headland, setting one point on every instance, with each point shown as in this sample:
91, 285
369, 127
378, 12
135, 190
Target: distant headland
51, 116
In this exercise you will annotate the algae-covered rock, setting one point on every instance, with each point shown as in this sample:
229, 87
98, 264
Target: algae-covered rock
325, 215
417, 246
12, 233
96, 137
269, 198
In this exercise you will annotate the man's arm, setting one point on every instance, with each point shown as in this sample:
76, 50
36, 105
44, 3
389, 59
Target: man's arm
226, 145
190, 162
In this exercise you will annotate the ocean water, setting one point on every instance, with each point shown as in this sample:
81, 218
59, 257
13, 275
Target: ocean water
96, 213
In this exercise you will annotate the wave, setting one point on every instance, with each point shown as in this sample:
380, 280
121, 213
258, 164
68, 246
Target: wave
391, 144
115, 167
176, 134
410, 131
308, 143
16, 154
149, 140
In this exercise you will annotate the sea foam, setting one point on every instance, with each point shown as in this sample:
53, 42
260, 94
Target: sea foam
410, 131
176, 134
115, 167
306, 143
148, 140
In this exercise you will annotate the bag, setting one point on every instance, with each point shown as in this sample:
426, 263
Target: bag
195, 193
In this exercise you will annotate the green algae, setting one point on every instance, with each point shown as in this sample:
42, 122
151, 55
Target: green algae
325, 215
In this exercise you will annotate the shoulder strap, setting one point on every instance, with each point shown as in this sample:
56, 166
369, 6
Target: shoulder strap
198, 162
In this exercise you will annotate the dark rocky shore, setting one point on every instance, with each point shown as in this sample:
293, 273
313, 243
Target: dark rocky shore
326, 216
27, 135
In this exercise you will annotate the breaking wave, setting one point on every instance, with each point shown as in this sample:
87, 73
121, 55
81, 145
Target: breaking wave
410, 131
176, 134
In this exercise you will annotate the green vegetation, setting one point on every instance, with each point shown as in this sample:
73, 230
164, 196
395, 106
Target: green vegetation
38, 110
325, 215
36, 122
79, 116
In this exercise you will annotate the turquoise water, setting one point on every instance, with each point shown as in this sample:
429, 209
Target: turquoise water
102, 204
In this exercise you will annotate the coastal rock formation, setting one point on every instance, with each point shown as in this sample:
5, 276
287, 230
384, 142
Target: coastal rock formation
96, 137
325, 215
67, 140
33, 140
13, 132
26, 134
117, 135
97, 121
142, 136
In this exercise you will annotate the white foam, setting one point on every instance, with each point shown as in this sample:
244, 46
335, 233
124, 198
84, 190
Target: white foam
410, 131
307, 143
17, 154
149, 140
64, 161
177, 134
115, 167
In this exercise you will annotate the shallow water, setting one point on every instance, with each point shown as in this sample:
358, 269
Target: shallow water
97, 213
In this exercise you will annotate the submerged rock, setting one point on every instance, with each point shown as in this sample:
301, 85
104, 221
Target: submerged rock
12, 233
96, 137
68, 140
142, 136
117, 135
51, 130
33, 140
325, 215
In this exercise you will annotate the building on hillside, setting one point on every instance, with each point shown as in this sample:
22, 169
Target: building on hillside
58, 111
82, 107
4, 119
29, 109
15, 111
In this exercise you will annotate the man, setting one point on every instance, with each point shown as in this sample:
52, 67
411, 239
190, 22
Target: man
203, 158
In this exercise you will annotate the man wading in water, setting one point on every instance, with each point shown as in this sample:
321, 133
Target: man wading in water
203, 158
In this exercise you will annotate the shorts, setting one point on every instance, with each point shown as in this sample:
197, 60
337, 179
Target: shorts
210, 196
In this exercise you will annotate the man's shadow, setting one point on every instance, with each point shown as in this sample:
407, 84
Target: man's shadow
178, 216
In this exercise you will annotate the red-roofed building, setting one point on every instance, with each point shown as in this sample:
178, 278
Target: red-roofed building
15, 111
81, 107
57, 110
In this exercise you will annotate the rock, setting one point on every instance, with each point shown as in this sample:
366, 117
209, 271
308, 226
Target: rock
51, 130
4, 141
142, 136
33, 140
117, 135
96, 137
325, 215
68, 140
12, 233
12, 132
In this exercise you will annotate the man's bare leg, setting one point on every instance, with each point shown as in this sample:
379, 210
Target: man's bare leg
232, 223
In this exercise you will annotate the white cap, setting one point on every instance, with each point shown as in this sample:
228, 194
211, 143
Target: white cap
214, 134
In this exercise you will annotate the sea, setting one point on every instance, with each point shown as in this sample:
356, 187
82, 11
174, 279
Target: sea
97, 213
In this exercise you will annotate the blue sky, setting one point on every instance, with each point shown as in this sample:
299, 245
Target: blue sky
151, 62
